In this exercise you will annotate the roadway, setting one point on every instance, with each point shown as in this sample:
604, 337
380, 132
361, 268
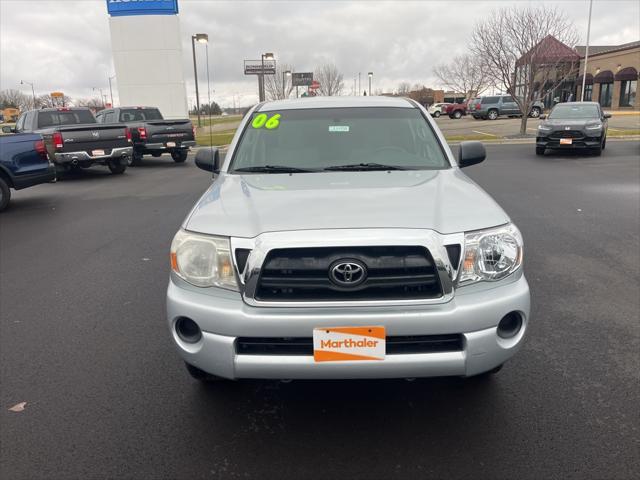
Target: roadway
83, 340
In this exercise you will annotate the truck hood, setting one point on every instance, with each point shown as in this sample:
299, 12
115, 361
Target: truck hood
247, 205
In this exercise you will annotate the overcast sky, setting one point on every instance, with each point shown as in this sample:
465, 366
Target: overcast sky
65, 45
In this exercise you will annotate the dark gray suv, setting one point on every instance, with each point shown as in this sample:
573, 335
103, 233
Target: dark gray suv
493, 107
573, 125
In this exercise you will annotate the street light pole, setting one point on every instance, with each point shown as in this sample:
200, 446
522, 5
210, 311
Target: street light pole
195, 75
370, 77
284, 82
33, 92
358, 83
586, 54
111, 90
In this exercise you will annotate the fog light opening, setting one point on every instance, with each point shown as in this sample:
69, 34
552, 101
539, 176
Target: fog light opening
188, 330
510, 325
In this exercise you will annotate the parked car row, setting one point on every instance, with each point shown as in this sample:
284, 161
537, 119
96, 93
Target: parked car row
489, 107
57, 140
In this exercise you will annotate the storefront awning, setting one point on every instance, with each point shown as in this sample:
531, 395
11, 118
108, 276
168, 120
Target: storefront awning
589, 79
605, 76
628, 73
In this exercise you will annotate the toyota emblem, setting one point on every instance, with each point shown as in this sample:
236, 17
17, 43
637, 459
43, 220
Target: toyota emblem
348, 273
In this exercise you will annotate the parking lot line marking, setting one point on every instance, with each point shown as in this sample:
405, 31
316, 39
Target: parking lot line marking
483, 133
615, 129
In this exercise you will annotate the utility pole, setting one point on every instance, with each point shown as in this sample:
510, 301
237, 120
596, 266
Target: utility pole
111, 90
586, 54
195, 75
358, 83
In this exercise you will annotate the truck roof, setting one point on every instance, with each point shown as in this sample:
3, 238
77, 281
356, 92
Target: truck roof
335, 102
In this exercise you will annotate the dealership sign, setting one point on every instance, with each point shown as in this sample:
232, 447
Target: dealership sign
259, 67
120, 8
302, 79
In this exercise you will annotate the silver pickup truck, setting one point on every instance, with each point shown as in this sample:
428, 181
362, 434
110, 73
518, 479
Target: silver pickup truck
341, 240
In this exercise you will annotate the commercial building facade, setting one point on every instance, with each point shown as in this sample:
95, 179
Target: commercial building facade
612, 75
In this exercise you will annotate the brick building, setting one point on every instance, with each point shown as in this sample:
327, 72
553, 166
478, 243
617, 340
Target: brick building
612, 75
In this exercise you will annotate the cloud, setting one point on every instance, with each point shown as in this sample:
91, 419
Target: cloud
65, 45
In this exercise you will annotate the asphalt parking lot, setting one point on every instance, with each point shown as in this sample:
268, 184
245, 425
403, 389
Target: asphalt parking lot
85, 343
510, 127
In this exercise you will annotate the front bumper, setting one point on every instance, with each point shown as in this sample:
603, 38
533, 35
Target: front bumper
85, 157
579, 143
473, 312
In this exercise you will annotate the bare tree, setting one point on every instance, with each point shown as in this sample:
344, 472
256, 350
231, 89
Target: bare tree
273, 83
15, 99
47, 101
527, 51
404, 88
330, 79
94, 103
464, 74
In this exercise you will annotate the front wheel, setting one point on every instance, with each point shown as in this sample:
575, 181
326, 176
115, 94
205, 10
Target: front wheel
535, 112
436, 114
118, 167
201, 375
540, 150
457, 114
493, 114
5, 194
604, 143
179, 156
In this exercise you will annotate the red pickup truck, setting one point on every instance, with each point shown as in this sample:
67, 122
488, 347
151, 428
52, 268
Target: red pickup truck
455, 110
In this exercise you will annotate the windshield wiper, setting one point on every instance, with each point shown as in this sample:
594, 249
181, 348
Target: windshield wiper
365, 166
273, 169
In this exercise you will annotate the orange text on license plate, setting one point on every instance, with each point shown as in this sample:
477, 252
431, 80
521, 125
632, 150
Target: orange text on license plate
334, 344
566, 141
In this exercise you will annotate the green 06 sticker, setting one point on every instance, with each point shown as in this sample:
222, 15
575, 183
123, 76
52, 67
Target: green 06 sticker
262, 120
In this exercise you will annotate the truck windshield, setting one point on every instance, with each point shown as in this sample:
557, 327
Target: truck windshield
64, 117
325, 138
569, 112
140, 114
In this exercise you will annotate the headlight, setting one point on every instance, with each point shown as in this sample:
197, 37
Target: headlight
203, 260
596, 126
491, 255
544, 128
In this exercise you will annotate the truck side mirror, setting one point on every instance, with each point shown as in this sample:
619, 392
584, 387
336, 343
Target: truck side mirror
471, 153
209, 159
8, 129
607, 115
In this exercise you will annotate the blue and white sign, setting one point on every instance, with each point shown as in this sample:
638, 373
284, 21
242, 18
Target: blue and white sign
120, 8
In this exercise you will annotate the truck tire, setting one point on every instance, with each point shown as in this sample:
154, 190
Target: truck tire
492, 114
598, 150
179, 156
535, 112
118, 167
134, 159
457, 114
201, 375
436, 114
5, 194
540, 150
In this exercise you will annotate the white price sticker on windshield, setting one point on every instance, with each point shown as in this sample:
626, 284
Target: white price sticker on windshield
338, 128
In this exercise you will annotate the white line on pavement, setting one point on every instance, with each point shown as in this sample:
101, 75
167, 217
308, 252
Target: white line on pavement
483, 133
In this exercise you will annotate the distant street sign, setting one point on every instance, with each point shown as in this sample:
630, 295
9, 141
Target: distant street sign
302, 79
255, 67
314, 85
57, 94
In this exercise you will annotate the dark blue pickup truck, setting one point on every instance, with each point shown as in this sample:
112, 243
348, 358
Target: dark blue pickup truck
23, 163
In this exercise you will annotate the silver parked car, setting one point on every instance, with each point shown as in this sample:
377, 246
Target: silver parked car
340, 240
